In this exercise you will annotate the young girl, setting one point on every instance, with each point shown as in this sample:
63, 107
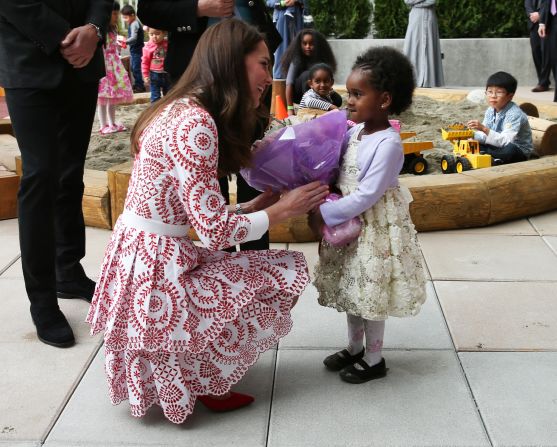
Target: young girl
380, 274
115, 87
308, 48
320, 93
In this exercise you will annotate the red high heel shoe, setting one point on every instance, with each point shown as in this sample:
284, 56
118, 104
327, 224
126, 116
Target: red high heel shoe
233, 402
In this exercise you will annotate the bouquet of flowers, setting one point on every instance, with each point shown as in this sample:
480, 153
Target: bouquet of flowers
296, 155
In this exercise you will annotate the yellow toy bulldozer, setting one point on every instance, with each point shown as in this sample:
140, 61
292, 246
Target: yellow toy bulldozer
414, 162
466, 152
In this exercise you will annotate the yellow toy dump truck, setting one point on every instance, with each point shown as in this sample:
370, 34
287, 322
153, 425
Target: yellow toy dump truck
466, 152
414, 162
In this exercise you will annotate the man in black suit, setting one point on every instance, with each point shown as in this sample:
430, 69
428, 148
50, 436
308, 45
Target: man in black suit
539, 49
186, 20
548, 31
51, 62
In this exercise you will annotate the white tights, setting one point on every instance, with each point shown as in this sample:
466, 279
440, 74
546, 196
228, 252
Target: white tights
107, 115
374, 332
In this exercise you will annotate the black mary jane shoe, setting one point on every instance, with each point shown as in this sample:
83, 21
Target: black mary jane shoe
351, 374
342, 359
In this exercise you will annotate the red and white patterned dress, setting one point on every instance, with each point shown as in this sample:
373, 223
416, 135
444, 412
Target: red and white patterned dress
180, 320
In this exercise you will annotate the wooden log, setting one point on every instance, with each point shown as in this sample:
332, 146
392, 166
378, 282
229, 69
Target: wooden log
530, 109
6, 127
519, 189
451, 201
9, 149
118, 180
18, 165
278, 88
96, 199
9, 186
544, 136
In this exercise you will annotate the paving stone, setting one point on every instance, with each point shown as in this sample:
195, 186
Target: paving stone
9, 241
546, 223
423, 401
90, 420
35, 382
320, 327
495, 316
485, 257
516, 395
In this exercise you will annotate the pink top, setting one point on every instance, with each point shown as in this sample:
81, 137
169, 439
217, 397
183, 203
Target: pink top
153, 57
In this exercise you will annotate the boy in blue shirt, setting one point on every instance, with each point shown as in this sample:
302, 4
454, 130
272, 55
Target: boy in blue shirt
505, 133
135, 44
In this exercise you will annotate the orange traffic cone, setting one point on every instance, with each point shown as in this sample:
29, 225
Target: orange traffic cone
280, 109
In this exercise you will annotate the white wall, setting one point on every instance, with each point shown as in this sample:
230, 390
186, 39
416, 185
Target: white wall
466, 63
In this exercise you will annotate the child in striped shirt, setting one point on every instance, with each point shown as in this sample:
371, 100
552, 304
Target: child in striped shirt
320, 89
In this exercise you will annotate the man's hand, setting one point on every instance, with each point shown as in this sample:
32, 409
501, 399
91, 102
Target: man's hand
534, 17
215, 8
79, 45
289, 3
541, 30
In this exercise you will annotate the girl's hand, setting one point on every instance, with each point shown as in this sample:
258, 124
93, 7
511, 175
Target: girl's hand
297, 202
291, 112
333, 107
262, 201
146, 80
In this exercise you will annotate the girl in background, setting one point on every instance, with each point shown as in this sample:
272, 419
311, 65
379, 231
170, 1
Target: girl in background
115, 87
380, 274
308, 48
321, 94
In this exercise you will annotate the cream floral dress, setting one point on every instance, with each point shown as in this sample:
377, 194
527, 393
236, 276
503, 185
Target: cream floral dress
380, 274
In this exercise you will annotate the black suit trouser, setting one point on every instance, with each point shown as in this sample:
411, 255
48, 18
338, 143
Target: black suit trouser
541, 56
551, 41
52, 128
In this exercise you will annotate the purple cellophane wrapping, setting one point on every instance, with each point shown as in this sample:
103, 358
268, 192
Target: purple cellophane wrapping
299, 154
344, 233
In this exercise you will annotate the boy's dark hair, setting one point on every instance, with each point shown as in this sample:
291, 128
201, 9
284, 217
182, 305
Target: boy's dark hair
320, 66
502, 79
127, 10
322, 52
388, 70
116, 6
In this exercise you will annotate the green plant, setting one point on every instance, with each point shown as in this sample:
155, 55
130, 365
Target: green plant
457, 18
342, 18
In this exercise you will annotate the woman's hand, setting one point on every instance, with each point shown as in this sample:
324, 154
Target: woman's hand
297, 202
262, 201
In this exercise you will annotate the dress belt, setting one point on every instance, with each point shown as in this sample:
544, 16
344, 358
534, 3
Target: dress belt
153, 226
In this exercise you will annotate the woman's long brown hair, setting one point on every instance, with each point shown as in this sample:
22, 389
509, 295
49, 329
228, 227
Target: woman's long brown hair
217, 80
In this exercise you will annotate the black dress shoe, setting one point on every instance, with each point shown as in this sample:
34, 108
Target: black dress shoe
342, 359
83, 289
53, 328
351, 374
540, 88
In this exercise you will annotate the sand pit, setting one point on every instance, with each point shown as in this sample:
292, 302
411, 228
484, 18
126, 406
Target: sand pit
425, 117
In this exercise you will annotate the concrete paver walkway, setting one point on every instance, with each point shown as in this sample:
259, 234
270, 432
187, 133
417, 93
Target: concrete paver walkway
476, 367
